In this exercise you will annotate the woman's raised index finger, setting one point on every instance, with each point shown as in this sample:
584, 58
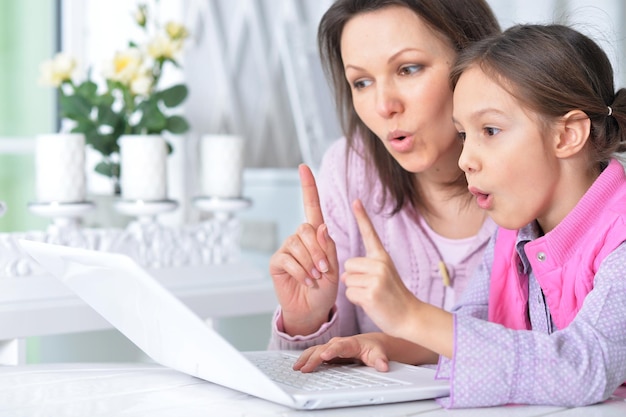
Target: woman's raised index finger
310, 196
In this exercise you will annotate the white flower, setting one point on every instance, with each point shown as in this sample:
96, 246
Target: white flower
141, 15
164, 47
142, 84
125, 66
57, 70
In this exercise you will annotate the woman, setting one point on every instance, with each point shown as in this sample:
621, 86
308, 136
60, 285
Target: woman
389, 61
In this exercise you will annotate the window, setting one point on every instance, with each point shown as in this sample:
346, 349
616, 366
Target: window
26, 108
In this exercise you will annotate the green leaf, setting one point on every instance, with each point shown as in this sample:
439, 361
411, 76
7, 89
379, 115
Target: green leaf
120, 128
104, 100
87, 127
152, 118
87, 89
174, 95
109, 169
74, 107
177, 124
106, 116
105, 144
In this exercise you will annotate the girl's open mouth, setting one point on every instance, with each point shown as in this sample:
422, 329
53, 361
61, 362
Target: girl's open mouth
484, 200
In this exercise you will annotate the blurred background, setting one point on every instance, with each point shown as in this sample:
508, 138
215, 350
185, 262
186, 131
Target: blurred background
252, 69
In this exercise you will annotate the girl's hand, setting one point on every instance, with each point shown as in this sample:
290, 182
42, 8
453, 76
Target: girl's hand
305, 268
374, 284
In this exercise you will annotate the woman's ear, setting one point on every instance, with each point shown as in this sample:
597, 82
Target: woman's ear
573, 132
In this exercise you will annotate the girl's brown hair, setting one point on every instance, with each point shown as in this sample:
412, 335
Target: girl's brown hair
552, 70
460, 21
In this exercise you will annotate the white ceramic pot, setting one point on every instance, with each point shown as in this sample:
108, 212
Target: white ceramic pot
60, 167
143, 167
221, 162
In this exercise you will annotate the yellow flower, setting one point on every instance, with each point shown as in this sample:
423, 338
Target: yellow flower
125, 66
176, 30
57, 70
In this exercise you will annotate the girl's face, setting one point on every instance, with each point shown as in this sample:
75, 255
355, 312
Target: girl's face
508, 155
398, 70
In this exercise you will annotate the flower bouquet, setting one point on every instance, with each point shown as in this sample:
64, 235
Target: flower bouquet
128, 100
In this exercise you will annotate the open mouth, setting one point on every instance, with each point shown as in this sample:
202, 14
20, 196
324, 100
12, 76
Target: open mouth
400, 141
484, 200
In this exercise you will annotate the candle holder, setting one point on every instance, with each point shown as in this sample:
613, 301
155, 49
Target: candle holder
146, 211
220, 236
62, 214
66, 219
146, 236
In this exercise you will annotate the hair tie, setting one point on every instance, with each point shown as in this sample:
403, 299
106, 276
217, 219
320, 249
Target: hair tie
610, 110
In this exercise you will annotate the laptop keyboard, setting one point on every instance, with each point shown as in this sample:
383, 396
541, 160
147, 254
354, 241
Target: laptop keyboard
279, 369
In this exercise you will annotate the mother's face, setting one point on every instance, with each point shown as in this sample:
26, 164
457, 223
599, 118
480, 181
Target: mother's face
398, 69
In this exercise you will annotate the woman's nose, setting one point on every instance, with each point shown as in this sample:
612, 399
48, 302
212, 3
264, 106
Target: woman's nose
388, 101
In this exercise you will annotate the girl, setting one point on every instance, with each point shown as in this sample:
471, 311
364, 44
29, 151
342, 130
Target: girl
544, 318
390, 62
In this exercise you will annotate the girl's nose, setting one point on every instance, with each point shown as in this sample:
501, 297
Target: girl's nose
389, 102
468, 161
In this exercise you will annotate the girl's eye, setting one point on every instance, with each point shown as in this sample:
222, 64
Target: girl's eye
461, 136
360, 84
491, 131
410, 69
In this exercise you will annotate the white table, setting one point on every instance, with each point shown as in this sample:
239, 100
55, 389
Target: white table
41, 305
137, 390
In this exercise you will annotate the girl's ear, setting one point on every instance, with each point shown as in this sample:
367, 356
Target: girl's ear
573, 132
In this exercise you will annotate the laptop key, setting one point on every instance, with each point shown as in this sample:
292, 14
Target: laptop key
279, 369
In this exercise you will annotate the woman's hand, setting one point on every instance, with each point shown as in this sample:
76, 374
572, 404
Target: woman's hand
368, 348
305, 268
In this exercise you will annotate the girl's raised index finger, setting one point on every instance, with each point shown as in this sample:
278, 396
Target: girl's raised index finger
372, 243
310, 197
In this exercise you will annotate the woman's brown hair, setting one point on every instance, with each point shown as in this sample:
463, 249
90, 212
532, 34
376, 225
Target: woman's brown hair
460, 21
552, 70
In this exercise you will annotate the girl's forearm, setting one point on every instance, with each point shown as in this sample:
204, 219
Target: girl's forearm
404, 351
428, 326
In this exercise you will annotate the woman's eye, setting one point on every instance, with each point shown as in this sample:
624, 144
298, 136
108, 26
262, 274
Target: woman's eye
491, 131
360, 84
410, 69
461, 136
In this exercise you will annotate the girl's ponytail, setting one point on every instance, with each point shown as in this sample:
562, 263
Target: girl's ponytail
616, 122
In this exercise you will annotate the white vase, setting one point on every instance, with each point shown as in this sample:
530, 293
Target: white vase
143, 167
221, 165
60, 167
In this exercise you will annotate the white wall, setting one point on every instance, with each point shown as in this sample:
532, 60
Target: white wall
602, 20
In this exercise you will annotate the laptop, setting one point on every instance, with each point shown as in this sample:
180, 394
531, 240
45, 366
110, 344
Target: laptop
161, 325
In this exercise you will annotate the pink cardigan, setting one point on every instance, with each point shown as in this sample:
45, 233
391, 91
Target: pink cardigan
340, 181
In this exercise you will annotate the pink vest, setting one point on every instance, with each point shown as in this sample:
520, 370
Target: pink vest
565, 260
